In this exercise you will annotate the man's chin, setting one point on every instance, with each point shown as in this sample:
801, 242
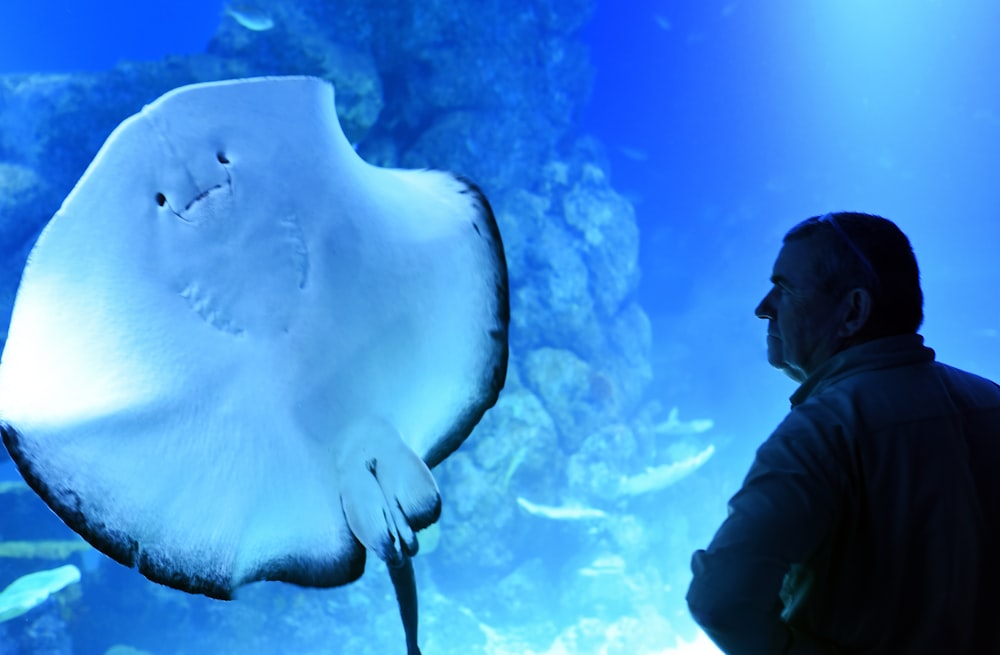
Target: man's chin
775, 353
775, 358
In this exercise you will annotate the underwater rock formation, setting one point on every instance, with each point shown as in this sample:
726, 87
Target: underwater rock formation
21, 190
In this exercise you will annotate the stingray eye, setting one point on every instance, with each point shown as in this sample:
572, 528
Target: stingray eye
161, 199
221, 156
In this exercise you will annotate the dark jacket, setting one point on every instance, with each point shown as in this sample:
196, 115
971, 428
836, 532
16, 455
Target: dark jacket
870, 519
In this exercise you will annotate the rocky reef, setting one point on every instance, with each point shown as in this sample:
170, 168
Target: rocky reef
492, 92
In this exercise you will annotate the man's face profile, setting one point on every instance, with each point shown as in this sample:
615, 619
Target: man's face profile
801, 317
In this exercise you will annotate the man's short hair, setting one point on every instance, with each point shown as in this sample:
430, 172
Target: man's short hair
868, 251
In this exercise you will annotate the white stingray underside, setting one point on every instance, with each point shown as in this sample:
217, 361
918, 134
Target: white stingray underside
234, 335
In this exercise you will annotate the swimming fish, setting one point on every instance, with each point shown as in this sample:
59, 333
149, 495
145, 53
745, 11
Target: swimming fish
250, 17
573, 512
607, 564
658, 477
31, 590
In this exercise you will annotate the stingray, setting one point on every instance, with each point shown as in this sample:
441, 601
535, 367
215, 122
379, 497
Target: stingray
237, 349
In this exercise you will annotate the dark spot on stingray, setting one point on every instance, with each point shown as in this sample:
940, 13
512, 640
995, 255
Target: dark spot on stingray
476, 227
221, 156
161, 199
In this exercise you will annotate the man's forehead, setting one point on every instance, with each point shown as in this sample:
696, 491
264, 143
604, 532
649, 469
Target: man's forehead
796, 262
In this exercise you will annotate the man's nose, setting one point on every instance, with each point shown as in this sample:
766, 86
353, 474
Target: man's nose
766, 308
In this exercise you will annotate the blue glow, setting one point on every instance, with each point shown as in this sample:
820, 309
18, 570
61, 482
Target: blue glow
70, 36
751, 116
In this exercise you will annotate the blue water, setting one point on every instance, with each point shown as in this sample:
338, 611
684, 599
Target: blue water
66, 36
723, 123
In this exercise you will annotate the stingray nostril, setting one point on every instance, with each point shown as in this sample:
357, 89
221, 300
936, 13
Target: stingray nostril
221, 156
161, 199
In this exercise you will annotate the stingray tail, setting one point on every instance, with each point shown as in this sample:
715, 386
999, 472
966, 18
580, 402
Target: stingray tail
406, 595
388, 493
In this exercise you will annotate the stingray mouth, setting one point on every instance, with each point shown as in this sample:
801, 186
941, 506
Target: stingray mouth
185, 213
201, 196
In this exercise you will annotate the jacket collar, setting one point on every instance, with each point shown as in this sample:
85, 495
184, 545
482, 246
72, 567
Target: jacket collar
886, 352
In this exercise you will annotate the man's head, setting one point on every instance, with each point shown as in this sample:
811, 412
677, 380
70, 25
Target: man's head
839, 280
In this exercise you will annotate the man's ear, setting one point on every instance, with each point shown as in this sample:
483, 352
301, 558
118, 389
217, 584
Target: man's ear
857, 309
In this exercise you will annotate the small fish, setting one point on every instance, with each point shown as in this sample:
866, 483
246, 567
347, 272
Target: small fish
604, 565
31, 590
656, 478
250, 17
564, 513
515, 463
674, 426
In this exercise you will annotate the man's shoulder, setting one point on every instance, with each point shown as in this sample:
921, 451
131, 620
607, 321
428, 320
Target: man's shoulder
978, 390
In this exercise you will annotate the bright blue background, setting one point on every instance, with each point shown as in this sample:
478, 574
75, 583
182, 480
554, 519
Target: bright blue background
76, 35
729, 121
